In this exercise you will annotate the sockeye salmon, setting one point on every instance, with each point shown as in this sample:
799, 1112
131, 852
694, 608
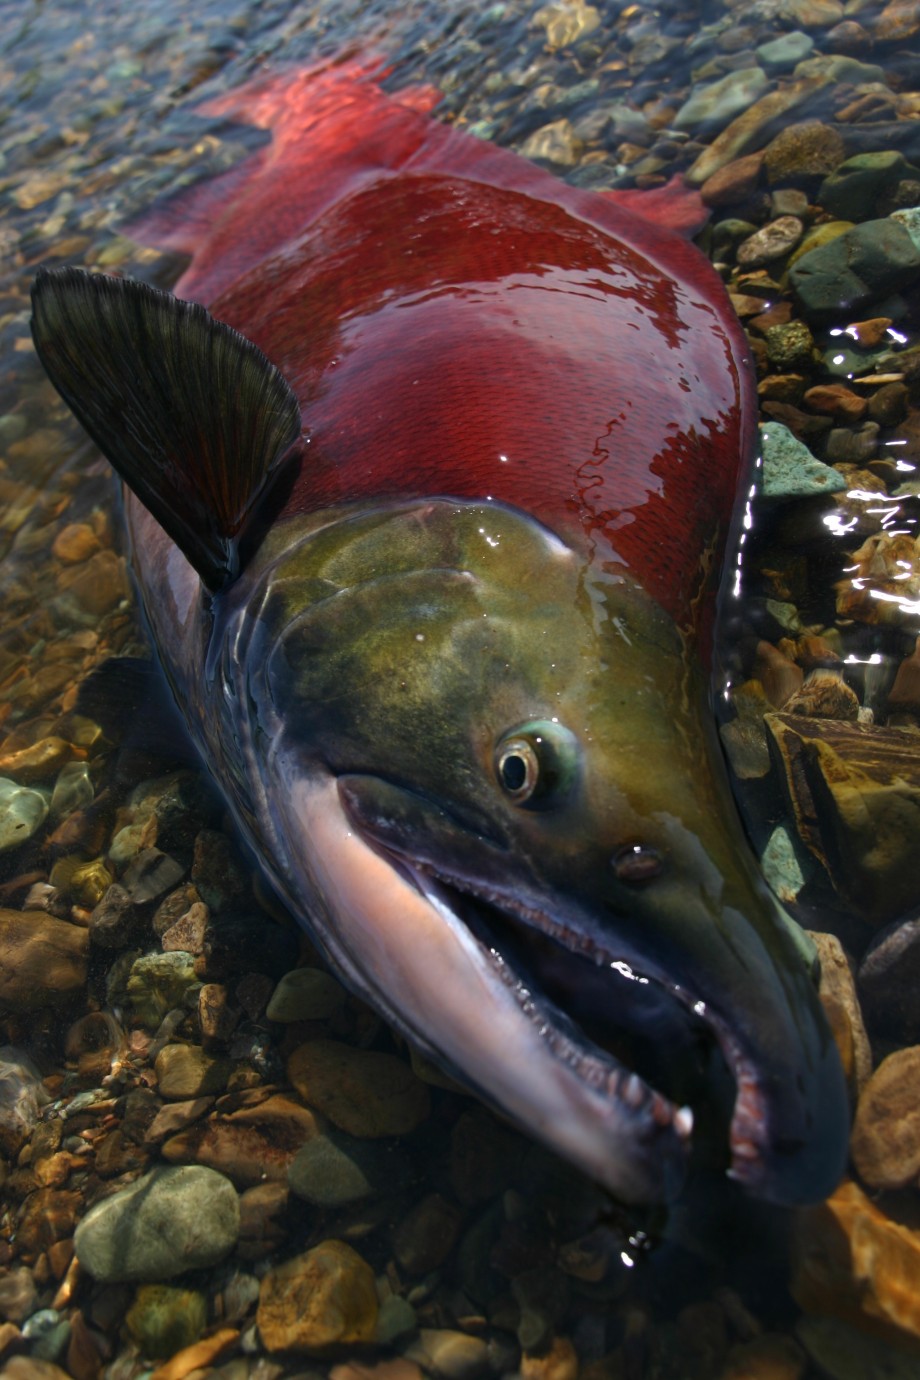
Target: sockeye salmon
434, 592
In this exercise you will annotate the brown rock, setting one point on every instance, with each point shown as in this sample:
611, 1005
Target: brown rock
824, 694
780, 677
396, 1369
803, 153
187, 934
46, 1216
323, 1298
31, 1368
249, 1145
885, 1144
427, 1234
75, 543
870, 334
99, 584
185, 1071
40, 762
263, 1220
733, 183
42, 960
837, 401
778, 314
198, 1356
772, 241
840, 1002
852, 1262
216, 1017
174, 1117
83, 1359
367, 1094
559, 1362
774, 1356
888, 406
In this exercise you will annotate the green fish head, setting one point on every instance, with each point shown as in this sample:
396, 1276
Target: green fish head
505, 806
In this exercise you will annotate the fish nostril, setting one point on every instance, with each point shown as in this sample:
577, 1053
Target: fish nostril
637, 863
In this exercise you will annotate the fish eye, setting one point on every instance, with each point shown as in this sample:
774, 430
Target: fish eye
536, 763
637, 863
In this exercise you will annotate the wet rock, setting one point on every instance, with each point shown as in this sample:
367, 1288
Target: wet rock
858, 267
21, 1098
883, 579
781, 866
75, 543
852, 447
889, 982
566, 23
774, 241
364, 1093
116, 920
158, 983
151, 875
824, 694
710, 108
250, 1144
335, 1169
185, 1071
450, 1355
838, 997
305, 994
734, 183
853, 190
99, 585
554, 143
32, 1368
790, 347
425, 1237
39, 761
484, 1157
802, 153
163, 1319
749, 131
174, 1117
558, 1362
854, 1264
396, 1369
42, 960
774, 1356
841, 1352
216, 872
264, 1221
837, 401
885, 1143
22, 811
18, 1294
217, 1018
789, 468
187, 935
172, 1220
888, 405
323, 1298
73, 790
783, 53
94, 1043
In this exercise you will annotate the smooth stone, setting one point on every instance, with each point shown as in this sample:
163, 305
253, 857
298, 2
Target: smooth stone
781, 866
325, 1297
335, 1169
398, 1368
42, 960
783, 53
151, 875
22, 1098
99, 585
554, 143
858, 267
842, 1352
734, 183
116, 920
396, 1318
748, 131
889, 982
174, 1219
789, 468
75, 543
852, 446
803, 152
163, 1319
909, 217
22, 811
838, 67
174, 1117
73, 790
185, 1072
710, 108
772, 1356
305, 994
48, 1333
885, 1144
264, 1213
366, 1094
250, 1144
450, 1355
425, 1237
773, 241
38, 762
216, 870
18, 1294
852, 191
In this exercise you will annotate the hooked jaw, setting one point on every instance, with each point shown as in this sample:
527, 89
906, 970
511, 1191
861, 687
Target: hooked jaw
477, 975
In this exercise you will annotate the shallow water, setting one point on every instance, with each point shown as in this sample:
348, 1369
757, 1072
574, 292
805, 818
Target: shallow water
474, 1231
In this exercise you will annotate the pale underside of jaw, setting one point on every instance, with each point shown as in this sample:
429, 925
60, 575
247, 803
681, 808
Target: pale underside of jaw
398, 936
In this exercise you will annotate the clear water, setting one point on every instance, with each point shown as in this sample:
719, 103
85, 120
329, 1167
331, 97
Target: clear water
97, 118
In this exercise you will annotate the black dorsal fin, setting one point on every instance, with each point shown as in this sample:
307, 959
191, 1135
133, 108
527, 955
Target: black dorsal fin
189, 412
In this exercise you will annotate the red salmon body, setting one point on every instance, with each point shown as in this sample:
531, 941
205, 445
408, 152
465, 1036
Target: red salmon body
454, 320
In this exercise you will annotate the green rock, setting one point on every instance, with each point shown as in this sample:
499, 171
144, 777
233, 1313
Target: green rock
162, 1319
158, 983
185, 1072
22, 810
789, 468
852, 191
176, 1218
396, 1318
730, 230
781, 866
781, 54
335, 1169
790, 347
856, 268
711, 108
839, 68
305, 994
909, 217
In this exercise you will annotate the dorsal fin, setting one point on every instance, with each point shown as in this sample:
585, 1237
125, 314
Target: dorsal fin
189, 412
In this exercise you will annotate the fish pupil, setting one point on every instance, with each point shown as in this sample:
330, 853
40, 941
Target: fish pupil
514, 772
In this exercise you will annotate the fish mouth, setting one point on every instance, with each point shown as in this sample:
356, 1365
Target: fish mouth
629, 1024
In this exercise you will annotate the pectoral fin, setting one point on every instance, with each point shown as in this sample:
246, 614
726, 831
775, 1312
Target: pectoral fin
188, 411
